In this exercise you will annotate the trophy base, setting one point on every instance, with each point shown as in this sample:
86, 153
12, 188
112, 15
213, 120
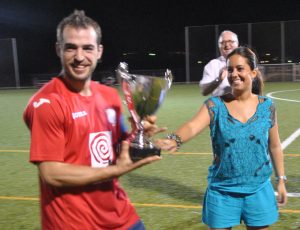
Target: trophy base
137, 154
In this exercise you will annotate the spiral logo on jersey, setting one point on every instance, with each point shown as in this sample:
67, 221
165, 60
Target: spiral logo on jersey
100, 149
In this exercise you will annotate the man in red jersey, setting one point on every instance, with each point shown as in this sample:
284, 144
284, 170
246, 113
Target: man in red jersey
76, 127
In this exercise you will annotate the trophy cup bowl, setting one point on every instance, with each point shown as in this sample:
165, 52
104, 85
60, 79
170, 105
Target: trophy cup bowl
143, 95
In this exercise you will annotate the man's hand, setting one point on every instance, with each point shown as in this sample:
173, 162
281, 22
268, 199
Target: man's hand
125, 164
60, 174
211, 86
223, 74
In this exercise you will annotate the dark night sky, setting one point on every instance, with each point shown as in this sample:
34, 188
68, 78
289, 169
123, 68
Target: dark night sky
128, 25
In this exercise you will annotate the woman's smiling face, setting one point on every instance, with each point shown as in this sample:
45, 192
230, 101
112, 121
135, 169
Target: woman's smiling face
240, 74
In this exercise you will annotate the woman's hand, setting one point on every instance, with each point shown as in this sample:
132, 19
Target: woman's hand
282, 193
149, 126
167, 145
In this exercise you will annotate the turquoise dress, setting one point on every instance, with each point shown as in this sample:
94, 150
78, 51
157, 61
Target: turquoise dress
242, 162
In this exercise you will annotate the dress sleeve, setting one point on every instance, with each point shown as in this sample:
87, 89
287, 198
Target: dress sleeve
211, 104
272, 113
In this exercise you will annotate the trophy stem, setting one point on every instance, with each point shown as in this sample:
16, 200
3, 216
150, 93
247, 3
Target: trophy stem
141, 147
140, 140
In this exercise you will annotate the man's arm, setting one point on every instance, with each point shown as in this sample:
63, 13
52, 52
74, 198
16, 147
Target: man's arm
62, 174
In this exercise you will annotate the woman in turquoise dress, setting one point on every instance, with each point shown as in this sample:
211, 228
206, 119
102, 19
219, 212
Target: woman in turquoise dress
246, 147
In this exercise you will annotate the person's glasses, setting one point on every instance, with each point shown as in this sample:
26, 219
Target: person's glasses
230, 42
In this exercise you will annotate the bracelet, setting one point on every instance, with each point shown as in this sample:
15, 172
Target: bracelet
281, 178
176, 138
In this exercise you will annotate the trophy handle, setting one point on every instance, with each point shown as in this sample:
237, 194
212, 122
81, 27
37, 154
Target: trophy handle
130, 105
126, 79
169, 78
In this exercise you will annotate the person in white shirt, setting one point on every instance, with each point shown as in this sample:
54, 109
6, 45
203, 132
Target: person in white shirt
214, 80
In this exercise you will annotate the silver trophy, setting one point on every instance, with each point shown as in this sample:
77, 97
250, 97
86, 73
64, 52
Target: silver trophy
143, 96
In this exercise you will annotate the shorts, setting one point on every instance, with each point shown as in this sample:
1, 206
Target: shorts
139, 225
225, 209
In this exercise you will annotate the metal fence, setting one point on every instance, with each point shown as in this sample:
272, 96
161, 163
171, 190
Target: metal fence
9, 67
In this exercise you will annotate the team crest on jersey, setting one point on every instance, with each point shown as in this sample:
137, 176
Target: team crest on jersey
111, 116
100, 146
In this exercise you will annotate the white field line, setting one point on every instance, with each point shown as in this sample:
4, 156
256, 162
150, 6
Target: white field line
282, 99
284, 144
291, 194
294, 135
290, 139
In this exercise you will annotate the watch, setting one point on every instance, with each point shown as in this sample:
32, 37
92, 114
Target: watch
281, 178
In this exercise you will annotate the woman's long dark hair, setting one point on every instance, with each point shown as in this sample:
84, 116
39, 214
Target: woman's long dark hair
257, 83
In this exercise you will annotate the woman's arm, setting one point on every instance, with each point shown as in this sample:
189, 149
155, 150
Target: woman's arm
278, 163
188, 130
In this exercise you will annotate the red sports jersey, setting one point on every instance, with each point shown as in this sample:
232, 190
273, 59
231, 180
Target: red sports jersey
75, 129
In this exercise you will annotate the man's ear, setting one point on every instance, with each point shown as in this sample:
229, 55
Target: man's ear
58, 49
100, 51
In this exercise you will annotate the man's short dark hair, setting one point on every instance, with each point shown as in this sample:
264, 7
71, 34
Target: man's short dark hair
78, 19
